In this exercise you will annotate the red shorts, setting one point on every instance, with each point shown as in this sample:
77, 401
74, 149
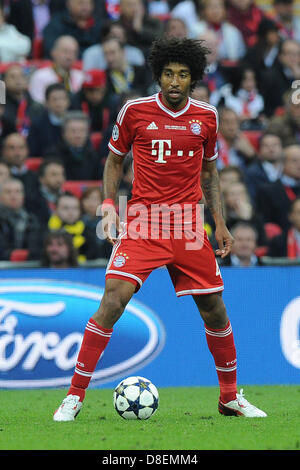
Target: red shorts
192, 271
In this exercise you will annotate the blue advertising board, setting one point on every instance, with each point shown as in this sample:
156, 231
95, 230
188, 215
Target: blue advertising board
43, 314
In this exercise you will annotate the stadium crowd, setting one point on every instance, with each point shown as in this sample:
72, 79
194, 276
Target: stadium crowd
69, 65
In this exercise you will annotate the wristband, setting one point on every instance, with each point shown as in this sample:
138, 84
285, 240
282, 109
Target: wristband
107, 203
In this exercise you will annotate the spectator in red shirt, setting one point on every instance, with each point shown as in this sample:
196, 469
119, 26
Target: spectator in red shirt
246, 16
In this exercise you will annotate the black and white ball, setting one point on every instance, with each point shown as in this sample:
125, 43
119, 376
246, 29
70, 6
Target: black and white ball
136, 398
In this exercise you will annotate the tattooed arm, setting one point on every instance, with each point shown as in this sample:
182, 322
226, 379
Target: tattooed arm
111, 179
211, 190
112, 175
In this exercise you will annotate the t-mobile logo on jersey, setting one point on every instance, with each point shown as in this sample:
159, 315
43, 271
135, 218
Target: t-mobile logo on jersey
162, 148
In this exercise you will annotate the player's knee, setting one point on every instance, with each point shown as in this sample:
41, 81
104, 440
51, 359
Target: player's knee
113, 302
213, 310
111, 308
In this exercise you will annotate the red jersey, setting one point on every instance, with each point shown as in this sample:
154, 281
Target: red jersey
168, 148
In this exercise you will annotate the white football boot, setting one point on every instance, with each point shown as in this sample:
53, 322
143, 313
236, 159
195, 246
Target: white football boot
240, 407
69, 409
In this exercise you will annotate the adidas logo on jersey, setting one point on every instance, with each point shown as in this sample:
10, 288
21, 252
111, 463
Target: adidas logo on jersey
152, 126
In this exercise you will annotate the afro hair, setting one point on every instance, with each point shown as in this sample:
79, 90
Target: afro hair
189, 52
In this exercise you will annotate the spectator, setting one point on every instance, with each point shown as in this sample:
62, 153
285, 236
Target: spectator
187, 11
245, 99
14, 152
5, 173
132, 95
239, 208
91, 201
176, 27
274, 199
262, 55
288, 23
30, 17
246, 16
20, 108
59, 251
68, 216
14, 46
19, 230
64, 54
212, 15
122, 77
215, 76
93, 57
95, 101
268, 166
229, 175
278, 79
141, 29
244, 247
201, 92
45, 130
287, 244
287, 124
51, 176
77, 21
7, 124
234, 147
80, 160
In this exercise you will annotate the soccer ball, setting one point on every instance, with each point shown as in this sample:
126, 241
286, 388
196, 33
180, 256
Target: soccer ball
135, 398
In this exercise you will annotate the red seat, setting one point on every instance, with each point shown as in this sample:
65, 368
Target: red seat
77, 187
96, 138
261, 251
253, 137
272, 230
33, 163
19, 255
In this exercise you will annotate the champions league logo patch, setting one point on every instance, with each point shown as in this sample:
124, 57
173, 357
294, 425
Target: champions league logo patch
195, 126
120, 260
115, 133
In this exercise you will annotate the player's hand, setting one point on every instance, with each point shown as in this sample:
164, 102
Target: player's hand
111, 224
224, 239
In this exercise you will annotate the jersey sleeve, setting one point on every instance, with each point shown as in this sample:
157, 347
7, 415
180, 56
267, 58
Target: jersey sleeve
211, 146
123, 132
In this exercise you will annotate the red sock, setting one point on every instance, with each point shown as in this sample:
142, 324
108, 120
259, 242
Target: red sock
221, 345
94, 342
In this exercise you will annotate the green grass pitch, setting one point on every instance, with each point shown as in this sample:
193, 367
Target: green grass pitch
187, 419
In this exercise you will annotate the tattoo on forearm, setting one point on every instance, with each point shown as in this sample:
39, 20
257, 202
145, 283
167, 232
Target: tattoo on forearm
111, 180
211, 190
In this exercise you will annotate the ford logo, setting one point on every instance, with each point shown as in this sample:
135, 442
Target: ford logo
41, 330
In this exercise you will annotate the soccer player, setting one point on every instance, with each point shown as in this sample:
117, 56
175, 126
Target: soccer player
173, 142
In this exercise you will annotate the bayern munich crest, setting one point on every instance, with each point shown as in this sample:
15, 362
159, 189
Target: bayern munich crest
195, 126
120, 260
